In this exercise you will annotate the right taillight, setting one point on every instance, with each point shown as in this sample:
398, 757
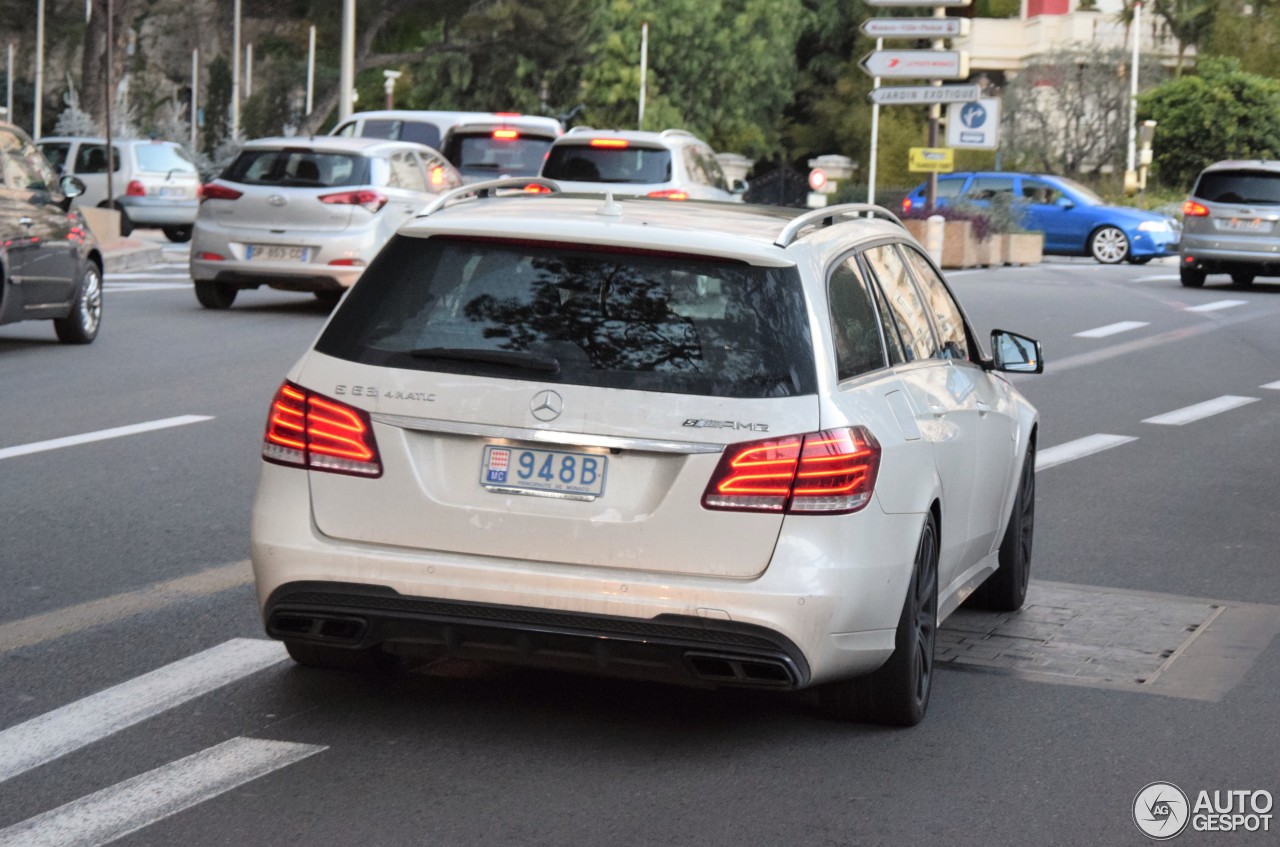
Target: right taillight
135, 189
309, 430
828, 472
1192, 209
213, 191
906, 205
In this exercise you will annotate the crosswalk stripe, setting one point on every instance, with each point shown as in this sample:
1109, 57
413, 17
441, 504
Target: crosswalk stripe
1178, 417
1274, 386
54, 734
112, 813
122, 287
1078, 449
1217, 305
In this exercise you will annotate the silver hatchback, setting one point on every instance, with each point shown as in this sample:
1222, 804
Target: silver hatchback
1231, 223
308, 214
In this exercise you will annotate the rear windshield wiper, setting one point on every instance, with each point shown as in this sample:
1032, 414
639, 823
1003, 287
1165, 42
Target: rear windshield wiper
510, 358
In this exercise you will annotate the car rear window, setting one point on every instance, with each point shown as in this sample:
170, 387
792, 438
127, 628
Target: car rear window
583, 163
420, 132
492, 153
1259, 188
163, 159
578, 315
299, 168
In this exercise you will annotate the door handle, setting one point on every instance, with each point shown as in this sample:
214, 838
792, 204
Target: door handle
983, 408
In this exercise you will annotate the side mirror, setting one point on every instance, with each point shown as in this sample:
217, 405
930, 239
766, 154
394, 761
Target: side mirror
1066, 203
1017, 354
739, 186
71, 186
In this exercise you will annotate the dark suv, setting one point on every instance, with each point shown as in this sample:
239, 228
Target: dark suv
1231, 224
50, 265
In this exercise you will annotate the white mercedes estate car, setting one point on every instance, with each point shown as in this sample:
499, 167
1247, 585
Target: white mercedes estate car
710, 443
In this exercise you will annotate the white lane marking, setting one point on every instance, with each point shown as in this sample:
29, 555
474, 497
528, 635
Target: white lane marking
1079, 448
1160, 278
1217, 305
1274, 386
44, 738
112, 813
1178, 417
121, 287
125, 276
1112, 329
100, 435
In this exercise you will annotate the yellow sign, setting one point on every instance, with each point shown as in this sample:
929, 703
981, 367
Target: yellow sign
932, 160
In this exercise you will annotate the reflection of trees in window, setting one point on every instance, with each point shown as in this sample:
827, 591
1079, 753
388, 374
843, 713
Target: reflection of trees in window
614, 314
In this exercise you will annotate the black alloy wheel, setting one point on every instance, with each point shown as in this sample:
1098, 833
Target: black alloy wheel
81, 326
1006, 589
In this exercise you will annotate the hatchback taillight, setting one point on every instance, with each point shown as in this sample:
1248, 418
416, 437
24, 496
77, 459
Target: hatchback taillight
213, 191
309, 430
135, 189
1192, 209
670, 194
370, 201
906, 205
829, 472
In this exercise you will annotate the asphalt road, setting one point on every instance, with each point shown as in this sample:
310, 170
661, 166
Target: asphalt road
119, 563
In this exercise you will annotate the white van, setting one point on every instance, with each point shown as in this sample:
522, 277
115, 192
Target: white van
154, 183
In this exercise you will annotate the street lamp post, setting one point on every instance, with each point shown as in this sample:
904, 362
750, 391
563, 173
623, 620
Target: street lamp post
235, 72
1131, 161
347, 63
35, 130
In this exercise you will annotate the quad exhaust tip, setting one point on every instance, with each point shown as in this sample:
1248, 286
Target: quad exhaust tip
739, 670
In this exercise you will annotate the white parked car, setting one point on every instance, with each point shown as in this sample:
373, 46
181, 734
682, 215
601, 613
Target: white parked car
154, 182
696, 442
308, 214
673, 164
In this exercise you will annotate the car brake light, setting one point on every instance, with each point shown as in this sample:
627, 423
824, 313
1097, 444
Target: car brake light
1192, 209
213, 191
534, 188
349, 263
211, 257
611, 143
507, 114
829, 472
670, 194
437, 176
906, 205
370, 201
309, 430
505, 134
135, 189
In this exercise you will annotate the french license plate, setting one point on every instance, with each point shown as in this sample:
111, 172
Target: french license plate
547, 473
277, 253
1247, 224
173, 192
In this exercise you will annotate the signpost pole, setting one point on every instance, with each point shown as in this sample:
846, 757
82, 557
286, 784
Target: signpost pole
935, 112
875, 137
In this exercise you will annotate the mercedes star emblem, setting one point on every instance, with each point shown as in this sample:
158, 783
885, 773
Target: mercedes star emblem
547, 405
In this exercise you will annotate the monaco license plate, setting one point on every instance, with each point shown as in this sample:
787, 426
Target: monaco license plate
545, 473
277, 253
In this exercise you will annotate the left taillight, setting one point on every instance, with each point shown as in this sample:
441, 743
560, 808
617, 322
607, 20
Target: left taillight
370, 201
309, 430
213, 191
830, 472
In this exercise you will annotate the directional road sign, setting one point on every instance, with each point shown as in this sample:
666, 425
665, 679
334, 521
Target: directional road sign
931, 64
906, 95
916, 27
974, 125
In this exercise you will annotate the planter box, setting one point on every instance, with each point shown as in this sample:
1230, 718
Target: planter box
1023, 248
959, 247
992, 251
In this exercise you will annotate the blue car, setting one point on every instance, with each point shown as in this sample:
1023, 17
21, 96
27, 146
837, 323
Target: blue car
1074, 220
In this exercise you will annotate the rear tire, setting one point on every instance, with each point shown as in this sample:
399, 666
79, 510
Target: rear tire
215, 295
328, 297
1192, 277
897, 693
1006, 589
178, 234
366, 660
81, 326
1139, 260
1242, 278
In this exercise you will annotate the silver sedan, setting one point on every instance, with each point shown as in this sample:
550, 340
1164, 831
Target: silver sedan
308, 214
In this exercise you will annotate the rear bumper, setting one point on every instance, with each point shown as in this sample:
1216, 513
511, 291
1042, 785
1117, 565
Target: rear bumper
1215, 253
156, 211
354, 244
667, 648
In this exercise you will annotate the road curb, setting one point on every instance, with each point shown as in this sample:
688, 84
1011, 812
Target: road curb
130, 255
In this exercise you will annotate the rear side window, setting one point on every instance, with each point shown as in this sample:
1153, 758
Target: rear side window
855, 327
297, 168
405, 172
163, 159
908, 309
949, 189
987, 187
578, 315
1259, 188
56, 153
946, 314
583, 163
92, 159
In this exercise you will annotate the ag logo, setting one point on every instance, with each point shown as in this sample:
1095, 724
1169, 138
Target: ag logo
1161, 811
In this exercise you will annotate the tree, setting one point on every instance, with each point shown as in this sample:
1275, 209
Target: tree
1222, 112
1188, 20
1068, 111
1248, 31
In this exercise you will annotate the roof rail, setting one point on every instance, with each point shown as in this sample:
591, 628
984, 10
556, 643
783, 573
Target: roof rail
827, 215
667, 133
483, 190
